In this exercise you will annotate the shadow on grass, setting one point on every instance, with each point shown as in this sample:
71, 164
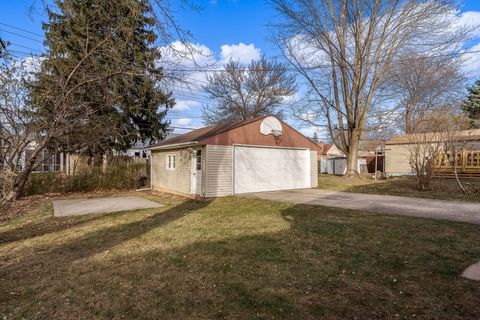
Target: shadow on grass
98, 240
331, 264
44, 226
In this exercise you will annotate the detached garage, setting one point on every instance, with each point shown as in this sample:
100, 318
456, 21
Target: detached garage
262, 154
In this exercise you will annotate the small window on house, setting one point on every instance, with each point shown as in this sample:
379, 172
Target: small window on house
199, 160
137, 154
171, 162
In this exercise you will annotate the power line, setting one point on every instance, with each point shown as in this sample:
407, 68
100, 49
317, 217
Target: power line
25, 47
183, 128
317, 66
20, 29
184, 117
21, 52
191, 98
181, 114
21, 35
200, 70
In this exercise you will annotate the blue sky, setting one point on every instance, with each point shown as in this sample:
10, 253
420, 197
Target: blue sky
227, 28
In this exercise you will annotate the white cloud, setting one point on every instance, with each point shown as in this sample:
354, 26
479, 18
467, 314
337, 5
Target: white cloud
470, 20
182, 122
32, 64
309, 116
185, 105
311, 130
240, 52
178, 54
471, 62
179, 60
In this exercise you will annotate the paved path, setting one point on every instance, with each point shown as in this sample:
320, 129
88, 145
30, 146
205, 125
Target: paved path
472, 272
435, 209
74, 207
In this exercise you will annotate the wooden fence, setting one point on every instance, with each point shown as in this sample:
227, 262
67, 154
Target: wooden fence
467, 163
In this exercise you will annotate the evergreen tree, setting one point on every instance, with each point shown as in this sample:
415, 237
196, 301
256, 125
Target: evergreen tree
104, 51
472, 105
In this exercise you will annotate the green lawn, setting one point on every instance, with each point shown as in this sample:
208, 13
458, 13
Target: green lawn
445, 189
236, 258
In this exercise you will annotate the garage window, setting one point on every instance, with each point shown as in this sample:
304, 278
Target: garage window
170, 162
199, 160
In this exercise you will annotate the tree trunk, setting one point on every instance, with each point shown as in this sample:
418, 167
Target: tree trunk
19, 185
459, 183
455, 172
22, 178
408, 121
352, 156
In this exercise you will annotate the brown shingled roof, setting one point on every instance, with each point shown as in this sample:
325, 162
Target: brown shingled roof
205, 132
326, 147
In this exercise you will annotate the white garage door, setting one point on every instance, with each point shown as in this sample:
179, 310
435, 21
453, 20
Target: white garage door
266, 169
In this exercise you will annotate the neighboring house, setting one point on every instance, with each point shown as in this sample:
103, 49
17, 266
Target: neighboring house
45, 161
261, 154
326, 156
398, 150
140, 149
333, 161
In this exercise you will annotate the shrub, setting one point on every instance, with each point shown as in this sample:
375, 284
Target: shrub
119, 175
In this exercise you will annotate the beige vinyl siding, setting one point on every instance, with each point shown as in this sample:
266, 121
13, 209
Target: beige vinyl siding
397, 159
176, 180
397, 156
313, 169
218, 171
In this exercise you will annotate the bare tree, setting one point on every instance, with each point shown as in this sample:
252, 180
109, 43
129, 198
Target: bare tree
452, 146
423, 148
422, 83
16, 131
436, 140
240, 93
61, 113
344, 50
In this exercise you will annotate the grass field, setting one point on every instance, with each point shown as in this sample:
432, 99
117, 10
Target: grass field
235, 258
445, 189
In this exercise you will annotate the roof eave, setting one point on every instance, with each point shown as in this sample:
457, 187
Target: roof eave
174, 145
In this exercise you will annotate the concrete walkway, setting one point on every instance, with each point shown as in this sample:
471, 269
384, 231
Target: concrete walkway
416, 207
75, 207
472, 272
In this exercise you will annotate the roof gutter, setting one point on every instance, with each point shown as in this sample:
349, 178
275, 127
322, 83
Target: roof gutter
174, 145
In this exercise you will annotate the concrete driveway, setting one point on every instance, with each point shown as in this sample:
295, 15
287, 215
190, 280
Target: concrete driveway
75, 207
407, 206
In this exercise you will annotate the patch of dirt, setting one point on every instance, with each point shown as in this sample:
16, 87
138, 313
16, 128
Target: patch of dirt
21, 207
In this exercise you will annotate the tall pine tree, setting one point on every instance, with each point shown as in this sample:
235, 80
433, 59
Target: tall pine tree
472, 105
103, 54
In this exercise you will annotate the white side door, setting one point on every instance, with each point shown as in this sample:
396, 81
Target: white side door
266, 169
196, 181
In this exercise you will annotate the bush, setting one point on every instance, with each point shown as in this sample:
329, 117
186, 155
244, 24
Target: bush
119, 175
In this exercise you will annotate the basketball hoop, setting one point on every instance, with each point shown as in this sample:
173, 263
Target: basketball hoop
276, 133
